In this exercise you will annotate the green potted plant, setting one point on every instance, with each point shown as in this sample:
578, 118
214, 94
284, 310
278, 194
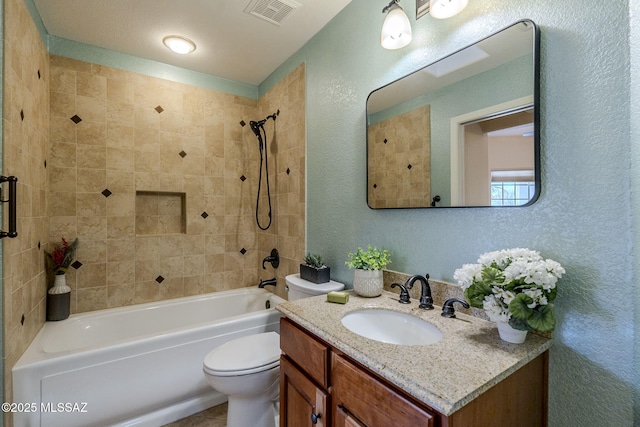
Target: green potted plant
314, 269
516, 288
368, 265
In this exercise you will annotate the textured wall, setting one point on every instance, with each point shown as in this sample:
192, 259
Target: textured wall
25, 143
634, 13
582, 219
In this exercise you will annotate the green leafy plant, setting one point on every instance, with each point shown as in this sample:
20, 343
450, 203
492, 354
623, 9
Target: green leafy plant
371, 259
314, 260
516, 286
61, 257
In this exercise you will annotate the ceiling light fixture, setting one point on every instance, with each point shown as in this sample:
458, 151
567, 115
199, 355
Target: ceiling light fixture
443, 9
396, 29
179, 44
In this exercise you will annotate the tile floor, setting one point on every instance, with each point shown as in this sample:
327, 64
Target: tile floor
212, 417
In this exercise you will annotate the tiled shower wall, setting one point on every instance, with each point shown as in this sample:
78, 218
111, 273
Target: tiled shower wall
287, 168
117, 137
88, 143
25, 143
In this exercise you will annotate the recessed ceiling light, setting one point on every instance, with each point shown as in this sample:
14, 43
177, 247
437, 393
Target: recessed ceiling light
178, 44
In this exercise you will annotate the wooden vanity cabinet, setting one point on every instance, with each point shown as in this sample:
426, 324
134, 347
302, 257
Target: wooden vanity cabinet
370, 402
304, 378
321, 386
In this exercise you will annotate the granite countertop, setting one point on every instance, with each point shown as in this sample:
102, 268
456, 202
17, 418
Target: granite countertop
447, 375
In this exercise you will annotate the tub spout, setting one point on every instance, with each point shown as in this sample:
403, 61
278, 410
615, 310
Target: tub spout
268, 282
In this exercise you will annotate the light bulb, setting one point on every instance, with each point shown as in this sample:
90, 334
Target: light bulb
179, 44
396, 29
443, 9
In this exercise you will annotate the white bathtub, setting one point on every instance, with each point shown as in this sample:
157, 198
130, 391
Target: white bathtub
139, 365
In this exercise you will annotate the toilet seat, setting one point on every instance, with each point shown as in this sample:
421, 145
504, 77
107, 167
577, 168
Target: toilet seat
244, 356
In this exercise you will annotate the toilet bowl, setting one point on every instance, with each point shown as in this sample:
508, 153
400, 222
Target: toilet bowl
247, 369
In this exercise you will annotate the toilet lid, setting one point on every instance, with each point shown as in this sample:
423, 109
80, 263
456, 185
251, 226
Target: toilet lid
245, 355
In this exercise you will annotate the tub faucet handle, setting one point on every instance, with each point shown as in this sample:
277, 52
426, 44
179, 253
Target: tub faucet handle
273, 258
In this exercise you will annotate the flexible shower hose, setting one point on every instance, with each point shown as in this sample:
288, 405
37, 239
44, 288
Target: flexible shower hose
263, 148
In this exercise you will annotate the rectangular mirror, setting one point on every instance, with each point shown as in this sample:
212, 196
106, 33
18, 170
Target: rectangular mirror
461, 132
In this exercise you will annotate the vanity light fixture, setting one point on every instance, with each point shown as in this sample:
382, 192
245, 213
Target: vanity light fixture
443, 9
179, 44
396, 29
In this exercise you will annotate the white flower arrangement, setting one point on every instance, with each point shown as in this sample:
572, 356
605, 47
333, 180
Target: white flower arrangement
513, 285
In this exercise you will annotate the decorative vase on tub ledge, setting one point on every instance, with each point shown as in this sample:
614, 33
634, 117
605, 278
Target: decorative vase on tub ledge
368, 265
59, 295
59, 299
516, 288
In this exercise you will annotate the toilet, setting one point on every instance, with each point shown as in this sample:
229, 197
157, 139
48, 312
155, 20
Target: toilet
247, 369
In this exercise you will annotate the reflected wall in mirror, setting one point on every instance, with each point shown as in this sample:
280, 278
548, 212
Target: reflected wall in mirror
461, 132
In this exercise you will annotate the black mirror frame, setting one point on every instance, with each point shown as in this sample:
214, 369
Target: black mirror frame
536, 120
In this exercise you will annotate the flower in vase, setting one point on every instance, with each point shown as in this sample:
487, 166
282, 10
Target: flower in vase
62, 256
516, 286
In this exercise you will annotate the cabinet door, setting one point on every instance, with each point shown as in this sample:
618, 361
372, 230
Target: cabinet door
344, 419
311, 356
302, 403
371, 401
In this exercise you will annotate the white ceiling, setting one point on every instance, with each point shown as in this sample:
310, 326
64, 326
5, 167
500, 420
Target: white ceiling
231, 43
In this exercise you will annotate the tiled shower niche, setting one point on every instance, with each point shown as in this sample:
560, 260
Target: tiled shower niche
160, 213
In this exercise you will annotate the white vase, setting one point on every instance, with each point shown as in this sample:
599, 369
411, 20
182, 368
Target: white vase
509, 334
59, 285
367, 283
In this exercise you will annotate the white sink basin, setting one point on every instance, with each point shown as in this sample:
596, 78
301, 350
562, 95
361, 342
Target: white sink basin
391, 327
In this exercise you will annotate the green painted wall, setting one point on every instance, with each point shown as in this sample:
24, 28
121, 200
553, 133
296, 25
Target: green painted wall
583, 218
634, 13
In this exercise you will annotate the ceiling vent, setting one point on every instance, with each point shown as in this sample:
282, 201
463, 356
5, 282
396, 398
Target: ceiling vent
273, 11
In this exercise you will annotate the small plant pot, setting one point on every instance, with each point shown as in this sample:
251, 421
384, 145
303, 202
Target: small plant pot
315, 275
367, 283
509, 334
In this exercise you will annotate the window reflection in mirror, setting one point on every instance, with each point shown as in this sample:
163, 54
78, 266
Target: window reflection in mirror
420, 128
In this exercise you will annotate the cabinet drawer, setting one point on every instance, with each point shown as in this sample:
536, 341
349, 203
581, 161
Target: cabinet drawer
371, 401
308, 353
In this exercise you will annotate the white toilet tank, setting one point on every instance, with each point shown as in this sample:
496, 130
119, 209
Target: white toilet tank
299, 288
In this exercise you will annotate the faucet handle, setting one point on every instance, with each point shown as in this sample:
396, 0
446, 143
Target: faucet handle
273, 259
448, 310
404, 294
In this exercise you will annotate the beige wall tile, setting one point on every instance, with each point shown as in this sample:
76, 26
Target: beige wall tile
90, 299
125, 145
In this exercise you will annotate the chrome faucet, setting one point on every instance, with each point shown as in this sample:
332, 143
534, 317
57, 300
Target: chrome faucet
426, 301
268, 282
